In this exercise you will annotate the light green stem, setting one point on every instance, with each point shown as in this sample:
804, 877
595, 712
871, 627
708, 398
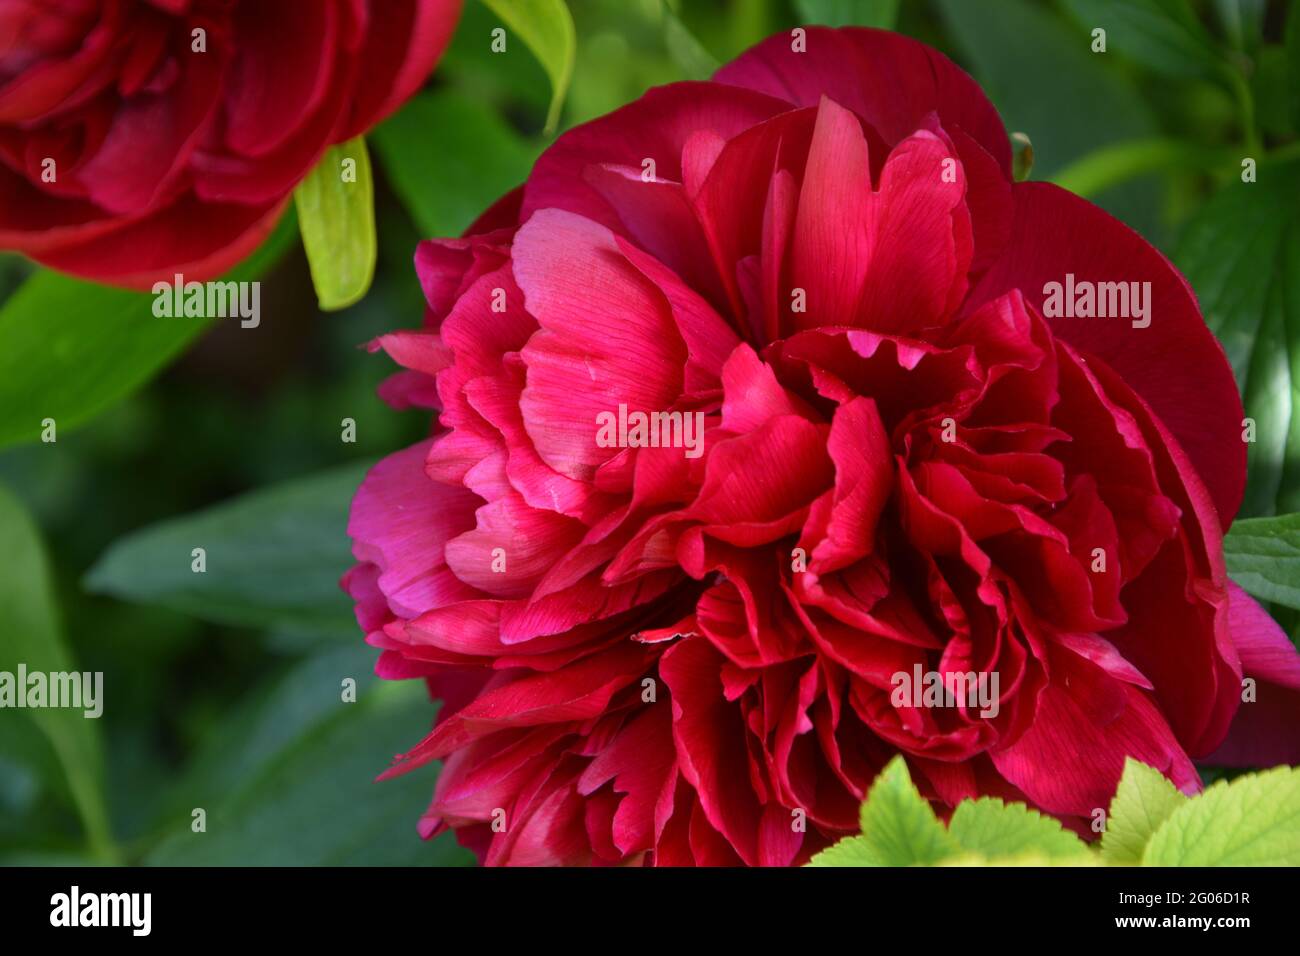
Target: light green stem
1112, 165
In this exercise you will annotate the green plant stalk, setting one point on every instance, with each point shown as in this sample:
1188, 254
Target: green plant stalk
1246, 99
1112, 165
91, 809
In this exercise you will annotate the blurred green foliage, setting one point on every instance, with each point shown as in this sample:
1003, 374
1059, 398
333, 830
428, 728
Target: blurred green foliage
226, 696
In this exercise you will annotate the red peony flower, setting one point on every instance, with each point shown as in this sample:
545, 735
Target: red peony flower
141, 138
756, 405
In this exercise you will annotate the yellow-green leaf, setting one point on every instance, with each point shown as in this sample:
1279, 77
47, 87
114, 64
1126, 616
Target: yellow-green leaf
851, 851
546, 27
994, 829
1030, 858
899, 824
1252, 821
336, 212
1144, 800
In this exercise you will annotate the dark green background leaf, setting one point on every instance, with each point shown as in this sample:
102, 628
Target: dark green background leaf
294, 778
1161, 35
1241, 254
449, 159
688, 53
33, 638
1041, 74
844, 13
1263, 556
69, 349
1292, 45
274, 558
547, 28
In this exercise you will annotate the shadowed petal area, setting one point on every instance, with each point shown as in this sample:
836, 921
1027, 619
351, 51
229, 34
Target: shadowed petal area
1264, 732
1176, 364
1069, 758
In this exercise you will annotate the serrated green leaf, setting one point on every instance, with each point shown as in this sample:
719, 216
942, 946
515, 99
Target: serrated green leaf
1251, 821
71, 349
846, 13
1241, 254
546, 27
273, 558
336, 213
1029, 858
1144, 800
33, 638
449, 159
1263, 556
899, 825
851, 851
993, 829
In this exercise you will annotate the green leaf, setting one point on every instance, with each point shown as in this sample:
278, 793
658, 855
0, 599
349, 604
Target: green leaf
1263, 556
1117, 163
1162, 35
1252, 821
308, 796
851, 851
1241, 254
1049, 85
273, 558
546, 27
33, 638
268, 721
446, 182
900, 829
71, 349
336, 212
1028, 858
1276, 91
1291, 41
992, 829
898, 823
514, 85
1242, 20
688, 53
1144, 800
846, 13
